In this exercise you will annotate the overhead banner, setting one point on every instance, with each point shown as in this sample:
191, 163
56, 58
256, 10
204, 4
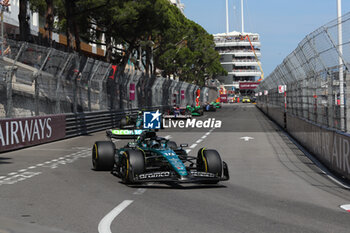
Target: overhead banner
248, 85
22, 132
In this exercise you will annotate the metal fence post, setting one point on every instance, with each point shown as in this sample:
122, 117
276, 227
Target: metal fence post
89, 84
36, 75
58, 85
9, 100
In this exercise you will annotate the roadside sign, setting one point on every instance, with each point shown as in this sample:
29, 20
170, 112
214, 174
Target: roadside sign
282, 88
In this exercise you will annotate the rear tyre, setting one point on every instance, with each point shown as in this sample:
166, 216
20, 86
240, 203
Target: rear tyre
103, 156
209, 161
132, 164
172, 145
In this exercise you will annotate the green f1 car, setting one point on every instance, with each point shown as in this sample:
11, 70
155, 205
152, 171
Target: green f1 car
155, 159
195, 110
216, 104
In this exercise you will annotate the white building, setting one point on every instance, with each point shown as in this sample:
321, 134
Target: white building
11, 23
180, 5
237, 57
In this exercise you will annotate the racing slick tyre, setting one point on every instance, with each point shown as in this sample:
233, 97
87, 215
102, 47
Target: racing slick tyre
132, 164
209, 161
172, 145
123, 122
103, 156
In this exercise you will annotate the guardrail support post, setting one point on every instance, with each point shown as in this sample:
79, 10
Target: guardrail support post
58, 85
9, 78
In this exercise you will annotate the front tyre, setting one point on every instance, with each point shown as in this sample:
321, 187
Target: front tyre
209, 161
103, 156
132, 164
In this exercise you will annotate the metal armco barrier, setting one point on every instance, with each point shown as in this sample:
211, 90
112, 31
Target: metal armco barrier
85, 123
330, 146
19, 133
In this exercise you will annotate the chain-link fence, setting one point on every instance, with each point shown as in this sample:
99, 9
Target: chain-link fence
36, 80
312, 75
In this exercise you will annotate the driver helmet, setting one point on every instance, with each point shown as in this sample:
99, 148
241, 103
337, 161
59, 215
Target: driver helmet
154, 144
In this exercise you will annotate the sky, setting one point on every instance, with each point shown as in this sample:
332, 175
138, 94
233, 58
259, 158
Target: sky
282, 24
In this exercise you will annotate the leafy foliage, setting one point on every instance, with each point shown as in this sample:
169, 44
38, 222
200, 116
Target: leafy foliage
153, 34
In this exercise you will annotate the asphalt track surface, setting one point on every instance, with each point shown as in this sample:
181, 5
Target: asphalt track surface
274, 187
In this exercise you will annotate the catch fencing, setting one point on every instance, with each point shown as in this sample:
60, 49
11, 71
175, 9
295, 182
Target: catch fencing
312, 75
308, 95
37, 81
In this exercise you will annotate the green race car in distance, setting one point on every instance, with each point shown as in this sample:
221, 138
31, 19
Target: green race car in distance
216, 104
155, 159
195, 110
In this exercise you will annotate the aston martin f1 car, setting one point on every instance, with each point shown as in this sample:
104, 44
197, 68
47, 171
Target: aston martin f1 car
216, 104
132, 121
195, 110
150, 158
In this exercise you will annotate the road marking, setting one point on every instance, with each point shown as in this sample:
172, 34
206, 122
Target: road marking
346, 207
203, 137
193, 145
23, 174
168, 137
188, 151
246, 138
105, 224
199, 141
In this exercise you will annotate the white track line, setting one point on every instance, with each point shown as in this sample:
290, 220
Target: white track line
105, 224
193, 145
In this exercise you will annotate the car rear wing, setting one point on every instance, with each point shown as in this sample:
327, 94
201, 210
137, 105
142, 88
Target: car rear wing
124, 133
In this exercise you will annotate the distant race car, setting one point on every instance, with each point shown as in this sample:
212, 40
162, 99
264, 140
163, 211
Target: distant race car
132, 121
209, 107
195, 110
177, 113
216, 104
246, 99
155, 159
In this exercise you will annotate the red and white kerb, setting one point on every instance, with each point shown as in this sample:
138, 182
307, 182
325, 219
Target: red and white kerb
346, 207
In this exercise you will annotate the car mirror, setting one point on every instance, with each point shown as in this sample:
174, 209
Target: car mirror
183, 145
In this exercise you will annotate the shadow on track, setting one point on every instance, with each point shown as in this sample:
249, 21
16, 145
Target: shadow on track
4, 160
175, 186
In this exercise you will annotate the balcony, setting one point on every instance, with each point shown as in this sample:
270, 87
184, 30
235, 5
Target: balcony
241, 62
243, 73
237, 43
239, 53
